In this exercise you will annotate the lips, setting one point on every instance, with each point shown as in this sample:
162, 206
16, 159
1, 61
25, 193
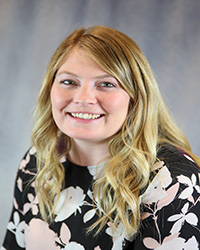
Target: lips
85, 116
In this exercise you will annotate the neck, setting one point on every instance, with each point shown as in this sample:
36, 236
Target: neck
88, 153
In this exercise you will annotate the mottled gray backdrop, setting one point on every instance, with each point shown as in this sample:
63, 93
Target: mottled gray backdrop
168, 31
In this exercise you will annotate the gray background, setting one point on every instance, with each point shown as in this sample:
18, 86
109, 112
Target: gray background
168, 31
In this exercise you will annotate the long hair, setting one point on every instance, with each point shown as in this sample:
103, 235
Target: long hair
133, 149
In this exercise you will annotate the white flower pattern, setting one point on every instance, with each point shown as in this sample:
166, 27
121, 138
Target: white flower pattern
166, 197
173, 242
184, 216
157, 188
17, 228
170, 205
70, 200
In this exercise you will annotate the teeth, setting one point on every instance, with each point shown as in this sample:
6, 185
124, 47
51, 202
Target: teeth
85, 116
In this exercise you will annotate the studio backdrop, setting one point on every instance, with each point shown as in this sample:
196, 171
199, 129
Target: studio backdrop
168, 32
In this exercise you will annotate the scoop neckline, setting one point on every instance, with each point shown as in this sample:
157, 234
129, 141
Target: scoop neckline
98, 165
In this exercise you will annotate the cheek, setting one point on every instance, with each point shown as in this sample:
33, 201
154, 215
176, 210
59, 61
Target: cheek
57, 99
118, 104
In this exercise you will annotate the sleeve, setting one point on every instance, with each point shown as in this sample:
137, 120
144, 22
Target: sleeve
171, 209
14, 237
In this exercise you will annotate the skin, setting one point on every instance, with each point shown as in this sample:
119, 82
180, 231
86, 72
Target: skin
88, 105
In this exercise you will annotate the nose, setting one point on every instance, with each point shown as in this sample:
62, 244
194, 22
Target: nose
85, 95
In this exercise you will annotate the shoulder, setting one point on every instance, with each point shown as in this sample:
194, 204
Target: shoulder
171, 203
177, 161
175, 175
24, 183
28, 162
27, 168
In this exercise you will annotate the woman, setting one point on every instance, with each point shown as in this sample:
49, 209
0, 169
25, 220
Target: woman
109, 168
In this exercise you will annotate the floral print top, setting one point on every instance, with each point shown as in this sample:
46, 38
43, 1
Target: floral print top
170, 209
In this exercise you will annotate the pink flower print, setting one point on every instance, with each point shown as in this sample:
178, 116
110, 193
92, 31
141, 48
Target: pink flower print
15, 204
32, 205
181, 218
171, 242
39, 236
65, 235
158, 165
64, 238
97, 248
171, 193
151, 243
19, 184
157, 188
25, 161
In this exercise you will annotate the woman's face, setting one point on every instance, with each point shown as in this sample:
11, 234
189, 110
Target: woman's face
87, 103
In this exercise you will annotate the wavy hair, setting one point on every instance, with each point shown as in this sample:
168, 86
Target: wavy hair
133, 149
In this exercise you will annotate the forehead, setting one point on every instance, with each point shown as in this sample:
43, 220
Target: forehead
77, 53
77, 59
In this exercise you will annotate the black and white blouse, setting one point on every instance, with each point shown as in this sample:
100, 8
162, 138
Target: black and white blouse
170, 209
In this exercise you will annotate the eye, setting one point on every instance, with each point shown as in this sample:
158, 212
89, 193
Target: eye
107, 85
68, 82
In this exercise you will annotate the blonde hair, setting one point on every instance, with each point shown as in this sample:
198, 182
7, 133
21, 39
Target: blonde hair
133, 149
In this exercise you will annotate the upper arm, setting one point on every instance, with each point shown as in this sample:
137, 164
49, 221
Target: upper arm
14, 238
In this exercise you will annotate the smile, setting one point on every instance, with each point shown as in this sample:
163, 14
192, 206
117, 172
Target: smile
85, 116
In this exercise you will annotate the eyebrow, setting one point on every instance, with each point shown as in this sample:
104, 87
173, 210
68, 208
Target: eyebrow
75, 75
